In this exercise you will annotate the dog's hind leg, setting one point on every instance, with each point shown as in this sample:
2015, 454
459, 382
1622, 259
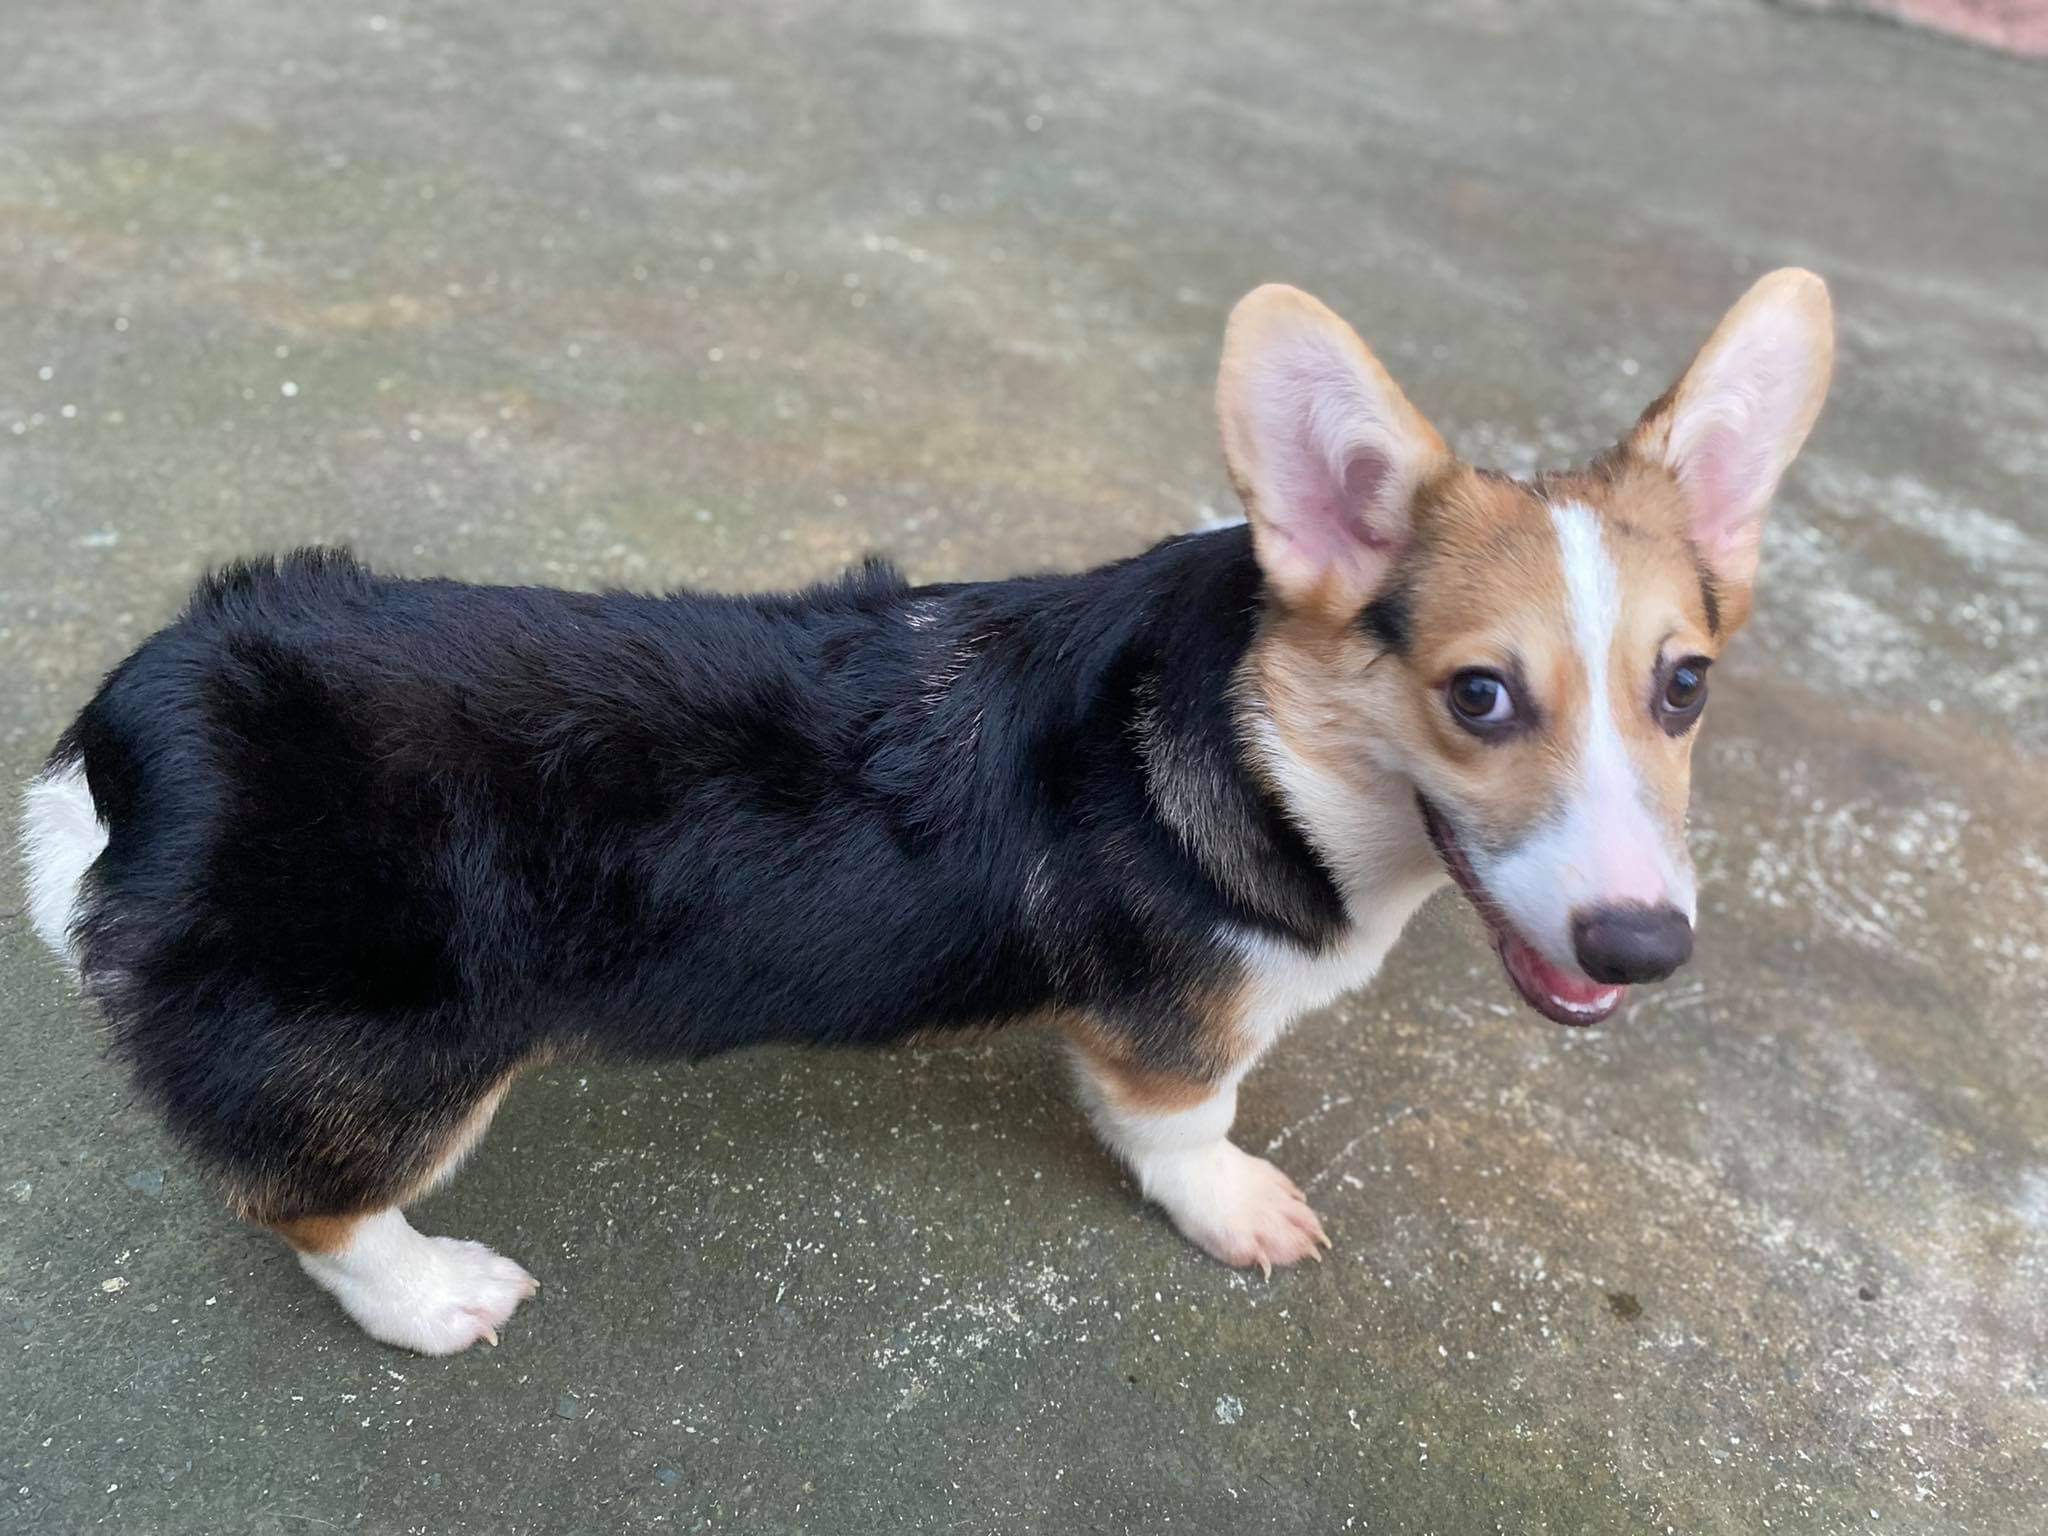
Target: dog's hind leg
1172, 1130
436, 1295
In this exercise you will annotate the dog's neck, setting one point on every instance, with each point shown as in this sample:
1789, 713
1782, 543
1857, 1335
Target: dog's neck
1257, 816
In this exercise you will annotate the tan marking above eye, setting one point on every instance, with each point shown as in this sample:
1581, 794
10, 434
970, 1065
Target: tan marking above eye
1484, 586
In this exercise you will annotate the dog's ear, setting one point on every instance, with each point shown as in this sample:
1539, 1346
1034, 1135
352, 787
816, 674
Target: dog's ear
1736, 419
1323, 447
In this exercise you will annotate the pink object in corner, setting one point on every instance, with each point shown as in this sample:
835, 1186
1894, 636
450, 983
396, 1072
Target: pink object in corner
2011, 26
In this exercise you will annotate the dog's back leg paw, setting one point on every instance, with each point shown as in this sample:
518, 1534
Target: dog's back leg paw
435, 1295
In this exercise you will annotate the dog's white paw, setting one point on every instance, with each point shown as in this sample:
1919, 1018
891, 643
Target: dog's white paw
1243, 1210
436, 1295
472, 1290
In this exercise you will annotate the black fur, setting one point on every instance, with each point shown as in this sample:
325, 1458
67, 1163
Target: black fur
1710, 593
376, 842
1390, 619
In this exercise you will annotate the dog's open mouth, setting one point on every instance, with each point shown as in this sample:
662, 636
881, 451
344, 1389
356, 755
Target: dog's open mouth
1562, 996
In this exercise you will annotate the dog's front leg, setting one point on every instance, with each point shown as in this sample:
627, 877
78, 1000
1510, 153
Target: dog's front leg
1173, 1133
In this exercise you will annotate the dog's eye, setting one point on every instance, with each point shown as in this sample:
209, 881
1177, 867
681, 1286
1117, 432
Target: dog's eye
1684, 690
1481, 700
1683, 694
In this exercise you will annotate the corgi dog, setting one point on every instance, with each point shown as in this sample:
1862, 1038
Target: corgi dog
339, 854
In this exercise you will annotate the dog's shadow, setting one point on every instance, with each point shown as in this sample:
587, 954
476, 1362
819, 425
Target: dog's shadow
919, 1133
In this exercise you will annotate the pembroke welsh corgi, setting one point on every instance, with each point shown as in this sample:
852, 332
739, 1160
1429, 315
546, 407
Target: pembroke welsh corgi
339, 854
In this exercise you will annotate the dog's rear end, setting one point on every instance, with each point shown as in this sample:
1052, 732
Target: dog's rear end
61, 837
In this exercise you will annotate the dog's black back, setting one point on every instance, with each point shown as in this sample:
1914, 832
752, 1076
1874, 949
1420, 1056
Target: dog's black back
401, 836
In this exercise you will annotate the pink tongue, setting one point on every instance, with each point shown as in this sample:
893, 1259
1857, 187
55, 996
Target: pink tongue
1582, 991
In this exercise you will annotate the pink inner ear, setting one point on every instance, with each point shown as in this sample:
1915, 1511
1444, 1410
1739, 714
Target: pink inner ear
1324, 517
1739, 423
1730, 474
1367, 476
1721, 492
1329, 458
1331, 520
1331, 450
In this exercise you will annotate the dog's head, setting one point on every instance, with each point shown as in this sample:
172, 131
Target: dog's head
1528, 660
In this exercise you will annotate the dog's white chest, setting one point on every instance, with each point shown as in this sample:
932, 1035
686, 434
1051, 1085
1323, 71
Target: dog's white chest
1285, 980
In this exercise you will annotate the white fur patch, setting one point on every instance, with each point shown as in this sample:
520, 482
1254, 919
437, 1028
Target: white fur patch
1232, 1205
1593, 587
436, 1295
1384, 867
61, 835
1284, 980
1604, 846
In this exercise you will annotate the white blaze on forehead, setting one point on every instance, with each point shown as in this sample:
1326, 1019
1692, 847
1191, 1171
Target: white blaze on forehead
1592, 591
1607, 791
1602, 845
1624, 850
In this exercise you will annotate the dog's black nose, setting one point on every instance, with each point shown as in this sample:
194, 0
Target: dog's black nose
1630, 941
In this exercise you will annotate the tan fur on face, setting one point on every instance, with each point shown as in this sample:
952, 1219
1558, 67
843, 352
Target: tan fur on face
1582, 591
1483, 586
1643, 514
1308, 676
1665, 615
1486, 590
1479, 584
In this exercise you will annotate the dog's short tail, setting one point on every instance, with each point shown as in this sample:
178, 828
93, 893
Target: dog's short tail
61, 835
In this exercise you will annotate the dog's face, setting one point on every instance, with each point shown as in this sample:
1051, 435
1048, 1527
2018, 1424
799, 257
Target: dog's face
1528, 661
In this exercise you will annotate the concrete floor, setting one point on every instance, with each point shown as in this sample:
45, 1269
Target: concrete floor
642, 293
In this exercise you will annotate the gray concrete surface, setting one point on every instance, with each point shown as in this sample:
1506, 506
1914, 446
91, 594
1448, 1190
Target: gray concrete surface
647, 293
